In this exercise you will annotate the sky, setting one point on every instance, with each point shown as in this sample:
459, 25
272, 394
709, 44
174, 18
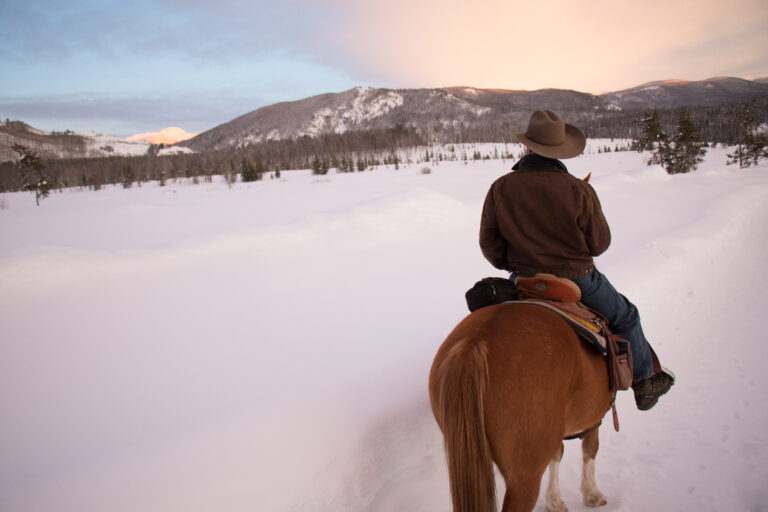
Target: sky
130, 67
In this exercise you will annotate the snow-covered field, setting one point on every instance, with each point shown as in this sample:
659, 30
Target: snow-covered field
266, 346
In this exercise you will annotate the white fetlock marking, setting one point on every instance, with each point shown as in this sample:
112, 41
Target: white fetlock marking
592, 496
553, 500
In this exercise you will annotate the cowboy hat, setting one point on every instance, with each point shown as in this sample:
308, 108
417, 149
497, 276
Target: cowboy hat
547, 135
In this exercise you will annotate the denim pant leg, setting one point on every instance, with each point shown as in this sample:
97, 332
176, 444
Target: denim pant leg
598, 294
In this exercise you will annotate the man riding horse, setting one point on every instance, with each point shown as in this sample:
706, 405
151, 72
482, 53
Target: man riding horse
540, 219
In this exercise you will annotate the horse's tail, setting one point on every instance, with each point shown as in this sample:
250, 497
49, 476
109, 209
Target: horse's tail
460, 383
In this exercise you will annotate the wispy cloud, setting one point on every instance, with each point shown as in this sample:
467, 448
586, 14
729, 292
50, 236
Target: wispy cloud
257, 52
590, 46
221, 30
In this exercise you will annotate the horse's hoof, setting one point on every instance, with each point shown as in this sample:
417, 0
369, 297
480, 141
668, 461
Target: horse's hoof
595, 499
558, 506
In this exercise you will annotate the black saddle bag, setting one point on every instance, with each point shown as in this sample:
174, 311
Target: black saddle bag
489, 291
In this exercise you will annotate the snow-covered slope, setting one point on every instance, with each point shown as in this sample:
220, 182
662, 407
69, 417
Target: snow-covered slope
98, 144
53, 145
469, 109
267, 346
86, 144
168, 136
367, 109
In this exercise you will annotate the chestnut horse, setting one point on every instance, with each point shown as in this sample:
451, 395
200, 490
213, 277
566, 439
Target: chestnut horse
509, 383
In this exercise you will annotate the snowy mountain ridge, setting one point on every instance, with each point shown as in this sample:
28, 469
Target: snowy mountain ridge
62, 145
366, 108
371, 109
451, 109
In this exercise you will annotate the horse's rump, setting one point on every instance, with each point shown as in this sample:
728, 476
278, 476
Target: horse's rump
514, 379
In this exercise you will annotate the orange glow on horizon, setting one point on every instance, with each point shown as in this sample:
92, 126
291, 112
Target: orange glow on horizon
595, 47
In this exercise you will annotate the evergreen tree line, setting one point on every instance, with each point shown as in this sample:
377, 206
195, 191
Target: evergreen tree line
720, 124
681, 148
678, 153
359, 150
348, 151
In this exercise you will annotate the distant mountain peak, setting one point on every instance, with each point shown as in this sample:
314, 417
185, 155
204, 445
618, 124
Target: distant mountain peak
674, 81
168, 136
673, 93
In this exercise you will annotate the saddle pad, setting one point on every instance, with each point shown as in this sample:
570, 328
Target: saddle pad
583, 327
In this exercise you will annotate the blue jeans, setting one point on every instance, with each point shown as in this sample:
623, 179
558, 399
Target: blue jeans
598, 294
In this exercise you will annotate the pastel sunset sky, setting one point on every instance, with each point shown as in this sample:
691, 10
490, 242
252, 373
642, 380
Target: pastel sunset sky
131, 67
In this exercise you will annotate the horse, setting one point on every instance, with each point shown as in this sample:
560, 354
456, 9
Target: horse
507, 386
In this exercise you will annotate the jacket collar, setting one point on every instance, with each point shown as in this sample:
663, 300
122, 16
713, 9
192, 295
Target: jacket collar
534, 162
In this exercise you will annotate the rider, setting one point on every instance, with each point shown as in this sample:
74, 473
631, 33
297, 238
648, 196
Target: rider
540, 219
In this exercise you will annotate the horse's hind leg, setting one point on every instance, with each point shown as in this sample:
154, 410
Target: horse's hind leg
589, 445
523, 469
553, 500
522, 491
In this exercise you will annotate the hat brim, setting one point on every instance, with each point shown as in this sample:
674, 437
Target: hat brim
572, 146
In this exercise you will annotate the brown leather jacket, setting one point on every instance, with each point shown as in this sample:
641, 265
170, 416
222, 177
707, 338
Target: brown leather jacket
539, 218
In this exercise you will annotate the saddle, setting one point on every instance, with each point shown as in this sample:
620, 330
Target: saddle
561, 296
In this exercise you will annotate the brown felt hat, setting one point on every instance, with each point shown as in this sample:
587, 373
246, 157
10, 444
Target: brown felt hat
547, 135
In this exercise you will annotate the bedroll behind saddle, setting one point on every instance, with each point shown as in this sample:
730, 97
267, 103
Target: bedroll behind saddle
561, 297
495, 290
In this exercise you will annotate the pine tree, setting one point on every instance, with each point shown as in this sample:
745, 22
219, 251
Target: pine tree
127, 177
249, 172
652, 135
686, 150
319, 167
751, 145
30, 163
653, 138
258, 169
757, 148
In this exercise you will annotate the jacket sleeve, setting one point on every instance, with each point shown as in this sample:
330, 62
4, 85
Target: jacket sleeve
596, 231
492, 244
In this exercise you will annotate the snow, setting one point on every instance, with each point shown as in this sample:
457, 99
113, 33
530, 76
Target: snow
362, 108
174, 150
169, 135
98, 144
267, 346
469, 107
